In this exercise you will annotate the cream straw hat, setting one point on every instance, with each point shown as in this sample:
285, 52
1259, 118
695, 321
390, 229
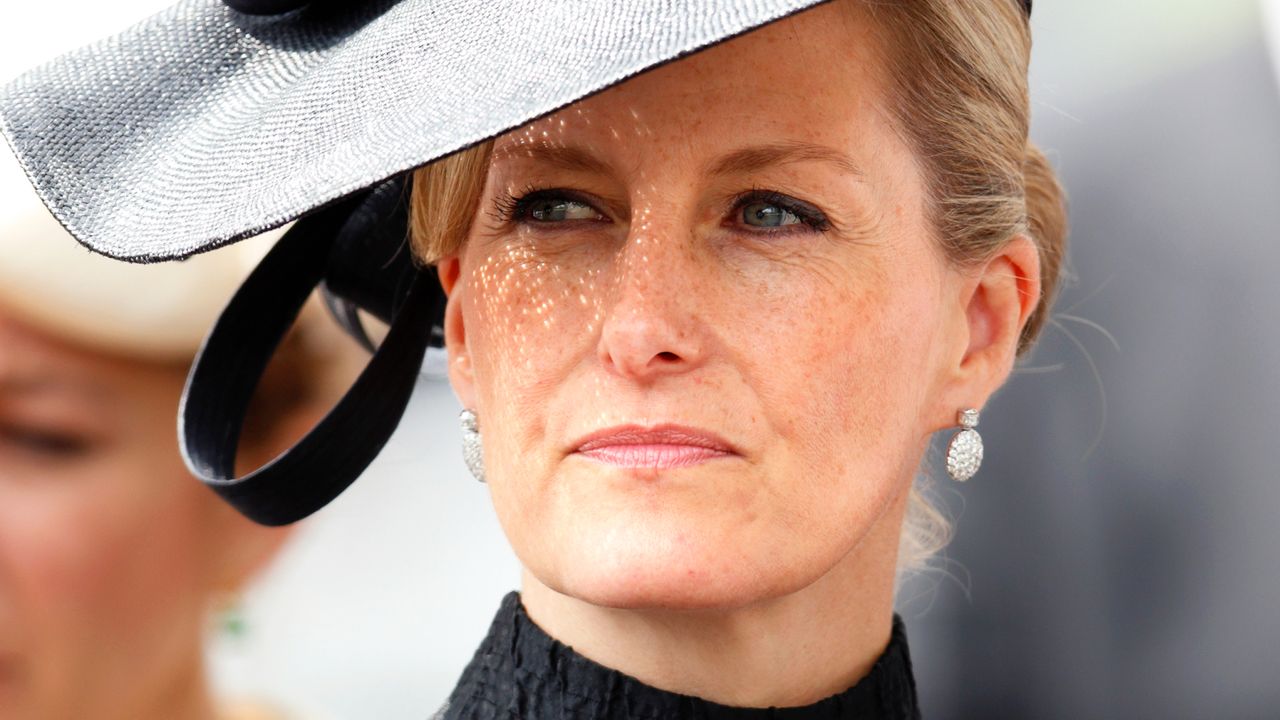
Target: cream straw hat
50, 281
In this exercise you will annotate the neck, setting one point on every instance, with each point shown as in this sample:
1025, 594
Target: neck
785, 651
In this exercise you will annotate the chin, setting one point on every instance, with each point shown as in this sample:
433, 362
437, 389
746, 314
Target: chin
655, 565
661, 590
703, 538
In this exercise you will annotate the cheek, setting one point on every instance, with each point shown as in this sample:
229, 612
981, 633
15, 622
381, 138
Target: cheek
99, 574
866, 357
841, 376
529, 323
518, 302
847, 349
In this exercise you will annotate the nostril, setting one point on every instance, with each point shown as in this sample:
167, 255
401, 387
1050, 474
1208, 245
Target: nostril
668, 357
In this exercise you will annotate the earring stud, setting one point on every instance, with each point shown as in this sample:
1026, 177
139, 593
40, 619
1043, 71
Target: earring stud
472, 447
964, 452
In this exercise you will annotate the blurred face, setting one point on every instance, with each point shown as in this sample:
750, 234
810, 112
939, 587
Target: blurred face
702, 319
105, 564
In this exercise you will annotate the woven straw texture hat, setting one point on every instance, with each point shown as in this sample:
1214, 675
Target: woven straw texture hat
204, 124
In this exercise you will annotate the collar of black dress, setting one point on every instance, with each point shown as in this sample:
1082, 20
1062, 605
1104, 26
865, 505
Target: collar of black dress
520, 671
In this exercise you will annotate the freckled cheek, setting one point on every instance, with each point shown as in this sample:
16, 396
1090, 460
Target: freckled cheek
883, 377
526, 320
841, 367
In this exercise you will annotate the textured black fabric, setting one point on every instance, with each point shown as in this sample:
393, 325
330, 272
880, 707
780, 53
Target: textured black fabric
522, 673
236, 353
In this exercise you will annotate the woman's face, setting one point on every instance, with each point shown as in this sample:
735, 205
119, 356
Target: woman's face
704, 323
109, 551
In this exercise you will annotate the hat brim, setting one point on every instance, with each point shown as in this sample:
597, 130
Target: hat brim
202, 126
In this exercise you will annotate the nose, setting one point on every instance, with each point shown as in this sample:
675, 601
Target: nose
653, 329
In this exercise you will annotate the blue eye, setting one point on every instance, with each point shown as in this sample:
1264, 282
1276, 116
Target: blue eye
762, 214
770, 211
546, 206
553, 209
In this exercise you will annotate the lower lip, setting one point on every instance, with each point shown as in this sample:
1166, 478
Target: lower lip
658, 457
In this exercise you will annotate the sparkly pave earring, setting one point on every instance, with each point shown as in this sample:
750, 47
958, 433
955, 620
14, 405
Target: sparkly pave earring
472, 448
964, 452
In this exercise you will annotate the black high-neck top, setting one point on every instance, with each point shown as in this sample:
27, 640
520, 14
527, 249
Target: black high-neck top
521, 673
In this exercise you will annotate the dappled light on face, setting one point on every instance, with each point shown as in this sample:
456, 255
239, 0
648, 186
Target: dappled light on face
533, 285
759, 275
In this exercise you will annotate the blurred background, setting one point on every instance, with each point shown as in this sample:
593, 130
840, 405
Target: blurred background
1118, 556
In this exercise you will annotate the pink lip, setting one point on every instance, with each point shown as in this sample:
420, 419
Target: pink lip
660, 447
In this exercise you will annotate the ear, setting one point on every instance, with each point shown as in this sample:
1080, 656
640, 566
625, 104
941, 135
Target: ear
461, 376
995, 303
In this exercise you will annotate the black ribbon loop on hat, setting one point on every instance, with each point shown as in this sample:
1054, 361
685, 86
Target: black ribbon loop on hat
236, 352
371, 270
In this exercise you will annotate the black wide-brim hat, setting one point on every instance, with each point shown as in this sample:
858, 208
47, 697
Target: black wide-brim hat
217, 120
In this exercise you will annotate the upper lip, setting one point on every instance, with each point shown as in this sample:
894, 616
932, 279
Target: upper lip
666, 434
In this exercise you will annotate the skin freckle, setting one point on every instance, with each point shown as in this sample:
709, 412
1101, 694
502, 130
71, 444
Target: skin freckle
788, 336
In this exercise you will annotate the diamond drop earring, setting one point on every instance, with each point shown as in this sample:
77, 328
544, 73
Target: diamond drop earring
472, 448
964, 452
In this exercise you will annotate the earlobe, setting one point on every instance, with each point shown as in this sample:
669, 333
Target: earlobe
455, 332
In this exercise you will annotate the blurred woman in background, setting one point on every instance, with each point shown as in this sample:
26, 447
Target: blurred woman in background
111, 555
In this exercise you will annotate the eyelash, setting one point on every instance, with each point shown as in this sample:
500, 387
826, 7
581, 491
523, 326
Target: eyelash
512, 208
509, 208
807, 214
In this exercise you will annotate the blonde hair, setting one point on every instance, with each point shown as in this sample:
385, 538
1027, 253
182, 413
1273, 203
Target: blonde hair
959, 95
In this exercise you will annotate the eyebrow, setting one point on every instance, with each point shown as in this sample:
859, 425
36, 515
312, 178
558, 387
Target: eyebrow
757, 157
565, 157
744, 160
